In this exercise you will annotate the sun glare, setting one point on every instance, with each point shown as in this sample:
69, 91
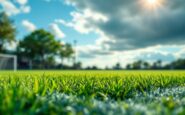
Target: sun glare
152, 4
152, 1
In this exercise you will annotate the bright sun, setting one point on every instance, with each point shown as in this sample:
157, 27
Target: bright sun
152, 4
152, 1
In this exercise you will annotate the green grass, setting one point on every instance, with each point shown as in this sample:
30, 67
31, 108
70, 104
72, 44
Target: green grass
44, 92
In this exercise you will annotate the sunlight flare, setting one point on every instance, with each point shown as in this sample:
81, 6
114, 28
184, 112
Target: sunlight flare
152, 4
152, 1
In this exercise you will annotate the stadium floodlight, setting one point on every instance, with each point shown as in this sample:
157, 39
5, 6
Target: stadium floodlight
8, 62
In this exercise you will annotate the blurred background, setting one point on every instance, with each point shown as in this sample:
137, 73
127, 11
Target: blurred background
92, 35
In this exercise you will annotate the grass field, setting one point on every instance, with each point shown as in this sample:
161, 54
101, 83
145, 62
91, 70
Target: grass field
92, 92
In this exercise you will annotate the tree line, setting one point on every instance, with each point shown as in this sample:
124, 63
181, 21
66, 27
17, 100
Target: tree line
37, 50
178, 64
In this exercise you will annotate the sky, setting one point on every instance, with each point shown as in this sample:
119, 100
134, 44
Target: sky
107, 31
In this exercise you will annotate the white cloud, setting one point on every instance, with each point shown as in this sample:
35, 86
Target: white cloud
11, 9
11, 46
95, 55
81, 23
54, 29
181, 53
22, 2
25, 9
29, 26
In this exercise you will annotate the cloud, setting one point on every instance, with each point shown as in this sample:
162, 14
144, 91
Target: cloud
80, 21
181, 53
11, 46
54, 29
130, 25
29, 26
25, 9
91, 55
92, 51
22, 2
154, 56
11, 9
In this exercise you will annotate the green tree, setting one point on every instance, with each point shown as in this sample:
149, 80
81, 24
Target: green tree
66, 51
50, 62
7, 31
137, 65
129, 66
39, 46
146, 65
77, 65
117, 66
159, 64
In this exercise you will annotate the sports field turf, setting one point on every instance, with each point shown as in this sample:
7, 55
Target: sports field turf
92, 92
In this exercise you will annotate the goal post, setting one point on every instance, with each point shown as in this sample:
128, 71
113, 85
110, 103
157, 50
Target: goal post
8, 62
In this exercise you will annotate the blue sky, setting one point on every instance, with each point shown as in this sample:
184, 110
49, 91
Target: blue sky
132, 30
44, 13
